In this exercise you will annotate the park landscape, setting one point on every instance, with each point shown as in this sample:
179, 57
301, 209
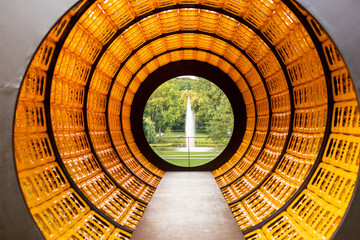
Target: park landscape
166, 121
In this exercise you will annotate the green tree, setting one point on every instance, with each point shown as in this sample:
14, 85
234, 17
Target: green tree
167, 107
149, 129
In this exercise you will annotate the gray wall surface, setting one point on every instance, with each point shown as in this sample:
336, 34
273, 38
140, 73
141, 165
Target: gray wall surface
24, 23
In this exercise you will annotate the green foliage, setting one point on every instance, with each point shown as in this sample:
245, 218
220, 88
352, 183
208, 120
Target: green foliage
149, 129
167, 107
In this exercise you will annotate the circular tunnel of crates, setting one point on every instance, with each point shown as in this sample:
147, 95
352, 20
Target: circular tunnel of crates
79, 166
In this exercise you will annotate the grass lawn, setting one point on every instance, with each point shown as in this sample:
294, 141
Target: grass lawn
176, 134
182, 158
188, 160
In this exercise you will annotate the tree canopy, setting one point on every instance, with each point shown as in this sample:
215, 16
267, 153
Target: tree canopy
166, 108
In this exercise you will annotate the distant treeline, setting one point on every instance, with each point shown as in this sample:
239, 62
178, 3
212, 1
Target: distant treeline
165, 110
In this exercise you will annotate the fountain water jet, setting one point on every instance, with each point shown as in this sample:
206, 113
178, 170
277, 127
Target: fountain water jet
190, 132
190, 126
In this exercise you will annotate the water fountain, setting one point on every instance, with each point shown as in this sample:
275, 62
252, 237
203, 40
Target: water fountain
190, 126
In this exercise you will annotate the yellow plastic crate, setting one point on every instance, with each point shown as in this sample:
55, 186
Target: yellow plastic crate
44, 55
83, 45
233, 55
278, 189
311, 119
240, 187
228, 194
311, 94
243, 165
92, 226
116, 205
96, 101
60, 90
32, 150
281, 22
236, 7
280, 102
241, 215
147, 194
346, 118
333, 184
343, 151
342, 85
124, 77
119, 172
247, 96
257, 49
285, 227
276, 83
97, 188
100, 139
253, 152
259, 92
59, 28
298, 70
82, 167
132, 218
253, 77
72, 68
259, 205
280, 122
316, 216
132, 164
189, 19
262, 123
256, 174
170, 21
42, 183
226, 27
119, 234
96, 22
59, 214
96, 121
305, 145
250, 125
269, 65
268, 158
118, 11
100, 82
114, 107
259, 138
67, 119
276, 141
33, 87
30, 117
258, 12
317, 28
108, 64
256, 235
108, 157
294, 169
134, 186
290, 49
245, 66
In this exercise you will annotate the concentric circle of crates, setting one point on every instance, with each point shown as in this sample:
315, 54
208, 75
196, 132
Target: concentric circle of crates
80, 169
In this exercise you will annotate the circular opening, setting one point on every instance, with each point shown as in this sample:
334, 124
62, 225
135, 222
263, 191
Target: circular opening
188, 121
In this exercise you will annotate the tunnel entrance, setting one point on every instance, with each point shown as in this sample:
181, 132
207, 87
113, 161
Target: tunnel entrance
188, 121
78, 135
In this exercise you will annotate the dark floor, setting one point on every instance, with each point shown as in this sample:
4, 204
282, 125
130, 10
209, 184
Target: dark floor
187, 206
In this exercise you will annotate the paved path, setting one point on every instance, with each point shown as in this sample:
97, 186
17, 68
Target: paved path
187, 206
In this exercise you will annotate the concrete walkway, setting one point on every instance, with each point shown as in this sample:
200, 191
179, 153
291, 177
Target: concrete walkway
187, 206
